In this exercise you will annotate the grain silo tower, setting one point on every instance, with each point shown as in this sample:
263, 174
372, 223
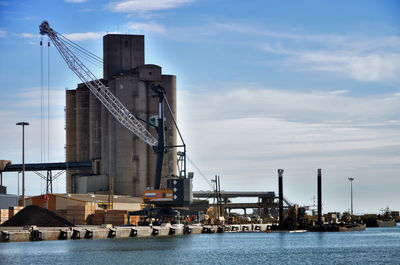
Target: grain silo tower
94, 134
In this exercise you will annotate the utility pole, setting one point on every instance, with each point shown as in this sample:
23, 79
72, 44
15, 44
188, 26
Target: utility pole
18, 184
23, 124
351, 194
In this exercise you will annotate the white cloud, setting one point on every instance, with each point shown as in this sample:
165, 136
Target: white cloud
149, 27
339, 92
138, 6
3, 33
28, 35
355, 42
246, 132
314, 107
368, 67
31, 98
25, 106
363, 58
84, 36
376, 65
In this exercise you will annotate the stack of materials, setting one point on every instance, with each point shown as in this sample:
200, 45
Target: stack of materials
3, 215
62, 213
116, 217
78, 214
98, 217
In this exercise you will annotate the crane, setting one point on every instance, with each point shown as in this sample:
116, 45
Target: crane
118, 110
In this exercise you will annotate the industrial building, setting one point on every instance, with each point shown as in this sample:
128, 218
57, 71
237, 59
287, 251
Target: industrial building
92, 134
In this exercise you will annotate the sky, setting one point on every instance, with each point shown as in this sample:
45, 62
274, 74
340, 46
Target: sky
262, 85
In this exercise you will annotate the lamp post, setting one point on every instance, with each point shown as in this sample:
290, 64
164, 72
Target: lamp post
18, 183
23, 124
351, 194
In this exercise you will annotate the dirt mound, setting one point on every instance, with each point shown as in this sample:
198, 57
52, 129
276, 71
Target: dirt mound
35, 215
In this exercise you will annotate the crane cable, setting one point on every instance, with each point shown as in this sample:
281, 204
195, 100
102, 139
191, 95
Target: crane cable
41, 109
183, 142
48, 100
43, 114
83, 53
198, 170
48, 110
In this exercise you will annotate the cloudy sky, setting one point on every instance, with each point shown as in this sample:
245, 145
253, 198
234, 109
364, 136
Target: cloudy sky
262, 85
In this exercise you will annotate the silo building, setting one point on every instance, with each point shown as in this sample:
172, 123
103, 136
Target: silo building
93, 134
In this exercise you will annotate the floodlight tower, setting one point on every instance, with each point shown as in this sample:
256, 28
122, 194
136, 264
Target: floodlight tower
351, 194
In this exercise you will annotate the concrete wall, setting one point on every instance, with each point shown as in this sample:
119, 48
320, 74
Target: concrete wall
170, 159
122, 53
94, 127
127, 206
94, 183
82, 123
63, 203
129, 156
70, 127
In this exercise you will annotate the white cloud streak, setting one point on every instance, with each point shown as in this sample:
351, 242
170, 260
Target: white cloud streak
80, 36
362, 58
140, 6
3, 33
147, 27
339, 92
28, 35
369, 67
84, 36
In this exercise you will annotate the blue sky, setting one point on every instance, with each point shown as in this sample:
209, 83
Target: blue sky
262, 85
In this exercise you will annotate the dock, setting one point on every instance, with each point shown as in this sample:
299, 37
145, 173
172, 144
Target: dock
33, 233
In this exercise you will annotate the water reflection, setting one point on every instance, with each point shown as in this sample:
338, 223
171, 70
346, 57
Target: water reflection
371, 246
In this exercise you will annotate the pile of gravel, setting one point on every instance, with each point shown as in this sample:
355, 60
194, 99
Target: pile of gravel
35, 215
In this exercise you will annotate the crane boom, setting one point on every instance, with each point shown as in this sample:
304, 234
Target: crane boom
116, 108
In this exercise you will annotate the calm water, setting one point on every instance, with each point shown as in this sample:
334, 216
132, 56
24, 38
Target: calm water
373, 246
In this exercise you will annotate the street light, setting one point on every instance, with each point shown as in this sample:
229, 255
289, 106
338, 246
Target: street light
19, 172
351, 194
23, 124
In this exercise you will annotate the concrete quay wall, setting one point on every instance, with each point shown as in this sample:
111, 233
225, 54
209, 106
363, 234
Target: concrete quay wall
16, 234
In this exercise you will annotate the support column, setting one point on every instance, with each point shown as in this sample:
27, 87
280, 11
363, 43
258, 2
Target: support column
280, 173
319, 197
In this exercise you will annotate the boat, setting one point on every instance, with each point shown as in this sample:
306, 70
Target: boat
386, 223
352, 227
384, 220
297, 231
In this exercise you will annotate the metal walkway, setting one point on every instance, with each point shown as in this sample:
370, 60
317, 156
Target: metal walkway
234, 194
48, 166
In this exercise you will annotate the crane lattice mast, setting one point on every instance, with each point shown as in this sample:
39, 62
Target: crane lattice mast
116, 108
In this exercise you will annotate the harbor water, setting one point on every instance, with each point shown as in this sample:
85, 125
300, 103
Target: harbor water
372, 246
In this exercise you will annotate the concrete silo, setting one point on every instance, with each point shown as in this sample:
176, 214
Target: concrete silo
99, 137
